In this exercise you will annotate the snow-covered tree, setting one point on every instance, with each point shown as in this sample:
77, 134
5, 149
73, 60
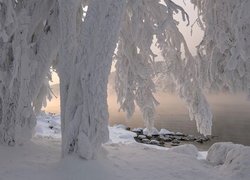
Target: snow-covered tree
145, 21
225, 49
28, 41
84, 90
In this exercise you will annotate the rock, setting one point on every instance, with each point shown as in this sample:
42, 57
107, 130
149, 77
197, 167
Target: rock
179, 134
191, 138
162, 143
176, 141
150, 132
206, 139
166, 139
200, 140
137, 130
178, 138
183, 139
51, 127
128, 128
174, 144
141, 137
154, 142
146, 141
149, 136
155, 135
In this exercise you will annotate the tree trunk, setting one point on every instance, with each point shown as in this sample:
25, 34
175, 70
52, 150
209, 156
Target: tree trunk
26, 56
67, 53
85, 107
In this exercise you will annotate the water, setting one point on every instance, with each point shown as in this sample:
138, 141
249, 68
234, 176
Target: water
231, 122
231, 118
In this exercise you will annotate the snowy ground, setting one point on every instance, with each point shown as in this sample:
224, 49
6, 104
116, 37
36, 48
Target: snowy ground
122, 158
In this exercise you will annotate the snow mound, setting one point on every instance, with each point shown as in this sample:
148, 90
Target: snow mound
232, 159
187, 149
217, 153
120, 135
237, 163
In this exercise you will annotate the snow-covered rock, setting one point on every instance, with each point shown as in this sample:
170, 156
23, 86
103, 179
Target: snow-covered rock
137, 130
146, 141
141, 136
150, 132
165, 131
179, 134
154, 142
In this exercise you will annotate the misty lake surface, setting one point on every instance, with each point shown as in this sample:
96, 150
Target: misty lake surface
231, 117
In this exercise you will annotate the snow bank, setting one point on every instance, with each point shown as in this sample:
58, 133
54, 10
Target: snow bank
233, 160
48, 126
187, 149
237, 163
118, 134
123, 159
217, 153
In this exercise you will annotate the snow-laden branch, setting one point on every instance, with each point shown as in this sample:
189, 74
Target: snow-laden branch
224, 51
145, 21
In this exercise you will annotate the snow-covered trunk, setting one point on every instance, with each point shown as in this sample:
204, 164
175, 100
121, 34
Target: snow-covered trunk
86, 110
67, 52
13, 51
28, 50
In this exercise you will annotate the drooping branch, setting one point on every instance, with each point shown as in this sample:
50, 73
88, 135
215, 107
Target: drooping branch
144, 22
224, 50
